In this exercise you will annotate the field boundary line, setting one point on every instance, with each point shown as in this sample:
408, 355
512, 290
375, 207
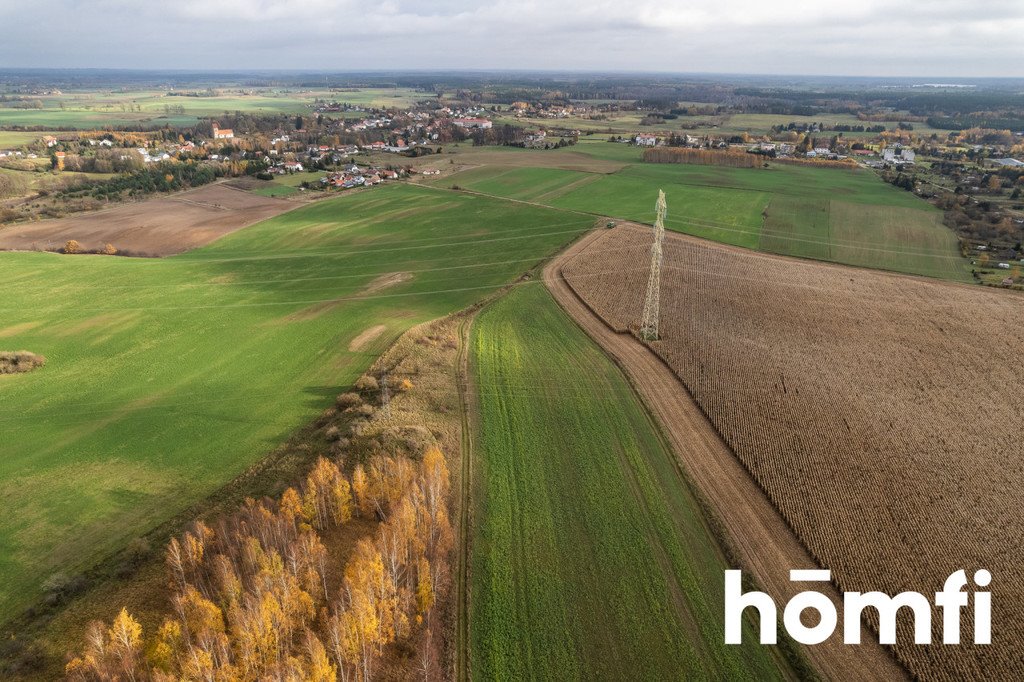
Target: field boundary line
463, 380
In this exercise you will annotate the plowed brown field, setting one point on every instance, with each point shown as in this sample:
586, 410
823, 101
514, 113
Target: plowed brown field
880, 414
156, 227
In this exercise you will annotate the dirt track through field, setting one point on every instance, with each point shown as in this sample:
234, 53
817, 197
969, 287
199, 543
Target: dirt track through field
757, 533
161, 226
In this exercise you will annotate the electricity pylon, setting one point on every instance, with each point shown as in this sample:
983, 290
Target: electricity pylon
385, 398
649, 325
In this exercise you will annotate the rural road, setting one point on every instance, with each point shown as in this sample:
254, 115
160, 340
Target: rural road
757, 533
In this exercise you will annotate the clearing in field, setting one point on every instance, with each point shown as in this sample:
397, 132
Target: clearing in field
871, 408
590, 557
157, 227
166, 378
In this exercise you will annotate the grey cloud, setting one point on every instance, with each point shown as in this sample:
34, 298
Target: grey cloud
869, 37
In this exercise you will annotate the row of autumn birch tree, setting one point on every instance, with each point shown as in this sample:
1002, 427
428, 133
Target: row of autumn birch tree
258, 595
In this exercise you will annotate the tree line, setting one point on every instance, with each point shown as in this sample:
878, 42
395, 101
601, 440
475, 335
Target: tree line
702, 157
257, 595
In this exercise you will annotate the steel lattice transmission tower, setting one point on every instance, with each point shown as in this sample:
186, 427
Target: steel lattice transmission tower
385, 398
649, 325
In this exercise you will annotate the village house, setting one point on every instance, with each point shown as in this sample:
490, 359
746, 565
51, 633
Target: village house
479, 123
898, 154
153, 157
645, 140
536, 139
399, 146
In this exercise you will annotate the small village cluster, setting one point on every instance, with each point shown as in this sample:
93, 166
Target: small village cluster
874, 155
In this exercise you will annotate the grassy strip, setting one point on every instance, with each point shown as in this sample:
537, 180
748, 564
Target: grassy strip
591, 557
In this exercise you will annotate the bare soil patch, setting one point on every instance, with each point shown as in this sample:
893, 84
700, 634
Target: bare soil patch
384, 281
365, 337
870, 408
157, 227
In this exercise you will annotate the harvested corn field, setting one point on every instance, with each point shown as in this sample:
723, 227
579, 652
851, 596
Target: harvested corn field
875, 410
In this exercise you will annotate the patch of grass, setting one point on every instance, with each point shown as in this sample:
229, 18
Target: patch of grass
524, 184
275, 190
895, 238
15, 139
723, 214
591, 558
795, 226
166, 378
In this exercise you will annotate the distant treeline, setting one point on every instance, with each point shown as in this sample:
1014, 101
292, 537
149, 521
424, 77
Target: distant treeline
839, 127
165, 177
963, 122
917, 102
702, 157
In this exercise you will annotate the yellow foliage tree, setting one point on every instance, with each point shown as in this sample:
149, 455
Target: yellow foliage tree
113, 654
360, 489
291, 505
424, 588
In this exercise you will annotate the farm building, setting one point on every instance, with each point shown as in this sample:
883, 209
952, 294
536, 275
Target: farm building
646, 140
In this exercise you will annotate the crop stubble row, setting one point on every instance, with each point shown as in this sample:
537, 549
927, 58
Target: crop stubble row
880, 414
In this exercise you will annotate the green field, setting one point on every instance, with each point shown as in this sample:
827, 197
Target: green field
541, 185
88, 118
15, 139
590, 557
286, 185
165, 378
842, 215
98, 109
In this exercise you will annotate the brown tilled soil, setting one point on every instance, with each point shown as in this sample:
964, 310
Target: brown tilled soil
757, 534
157, 227
879, 413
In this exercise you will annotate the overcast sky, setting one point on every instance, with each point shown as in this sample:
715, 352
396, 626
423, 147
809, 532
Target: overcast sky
834, 37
